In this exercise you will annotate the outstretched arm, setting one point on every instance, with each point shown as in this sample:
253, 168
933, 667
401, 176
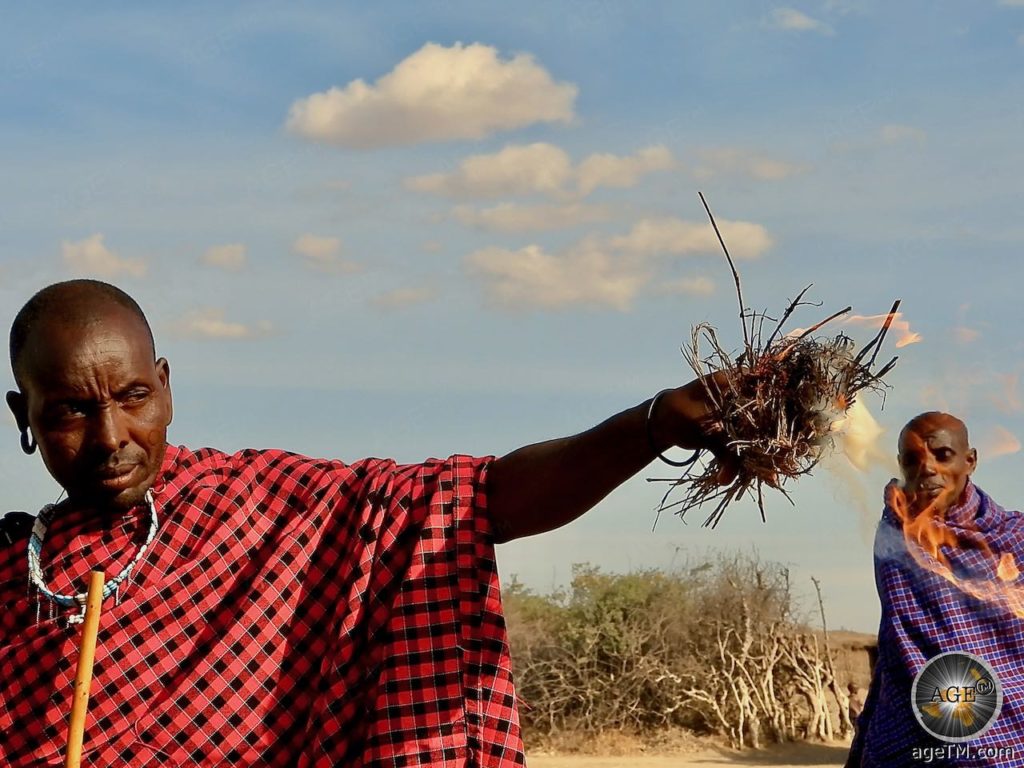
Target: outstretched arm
543, 486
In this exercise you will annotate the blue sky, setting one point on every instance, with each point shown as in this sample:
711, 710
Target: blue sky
413, 230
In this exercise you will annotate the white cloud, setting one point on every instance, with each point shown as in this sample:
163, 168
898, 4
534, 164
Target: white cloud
965, 335
894, 133
795, 21
436, 94
400, 298
670, 235
1008, 399
687, 286
91, 256
734, 161
211, 324
515, 170
543, 169
888, 135
607, 170
845, 7
1020, 39
512, 217
607, 272
1012, 3
323, 254
999, 442
585, 274
230, 256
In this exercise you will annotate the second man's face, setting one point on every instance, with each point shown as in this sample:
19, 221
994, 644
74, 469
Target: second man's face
936, 462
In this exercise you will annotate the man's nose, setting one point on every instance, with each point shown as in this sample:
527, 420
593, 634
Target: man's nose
929, 467
109, 431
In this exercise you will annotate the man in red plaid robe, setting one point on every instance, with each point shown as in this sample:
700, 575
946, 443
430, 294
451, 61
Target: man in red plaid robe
271, 609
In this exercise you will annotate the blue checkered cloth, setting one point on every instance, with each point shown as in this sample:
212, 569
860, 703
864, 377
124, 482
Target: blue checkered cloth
924, 615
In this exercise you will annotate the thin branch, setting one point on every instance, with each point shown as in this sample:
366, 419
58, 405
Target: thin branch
735, 274
876, 342
827, 320
785, 315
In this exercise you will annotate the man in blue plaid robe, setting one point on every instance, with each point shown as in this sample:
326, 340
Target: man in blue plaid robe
946, 568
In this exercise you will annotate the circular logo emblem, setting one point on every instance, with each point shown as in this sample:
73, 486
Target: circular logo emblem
956, 696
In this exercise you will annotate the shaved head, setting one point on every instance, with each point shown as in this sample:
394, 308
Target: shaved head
74, 302
924, 422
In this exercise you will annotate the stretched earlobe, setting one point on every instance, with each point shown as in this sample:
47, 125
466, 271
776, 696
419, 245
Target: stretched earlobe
28, 443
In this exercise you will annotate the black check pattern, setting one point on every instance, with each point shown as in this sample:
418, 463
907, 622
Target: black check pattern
291, 612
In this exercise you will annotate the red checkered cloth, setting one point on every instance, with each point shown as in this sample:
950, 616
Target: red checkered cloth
290, 612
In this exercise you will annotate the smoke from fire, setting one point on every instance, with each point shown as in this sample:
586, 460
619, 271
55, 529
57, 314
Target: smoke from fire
861, 464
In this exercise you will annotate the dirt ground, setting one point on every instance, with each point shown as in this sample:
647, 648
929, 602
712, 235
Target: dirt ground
786, 756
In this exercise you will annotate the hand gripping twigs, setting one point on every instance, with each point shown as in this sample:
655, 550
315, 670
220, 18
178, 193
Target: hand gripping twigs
83, 675
775, 402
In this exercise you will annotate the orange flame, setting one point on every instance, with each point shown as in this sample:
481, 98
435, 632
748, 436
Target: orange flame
898, 325
929, 539
924, 529
1007, 569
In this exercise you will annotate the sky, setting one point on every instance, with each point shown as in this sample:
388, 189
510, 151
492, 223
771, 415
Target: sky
413, 230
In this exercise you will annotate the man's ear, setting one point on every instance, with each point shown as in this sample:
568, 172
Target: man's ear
163, 371
19, 407
972, 461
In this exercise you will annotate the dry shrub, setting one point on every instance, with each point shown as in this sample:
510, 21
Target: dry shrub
710, 648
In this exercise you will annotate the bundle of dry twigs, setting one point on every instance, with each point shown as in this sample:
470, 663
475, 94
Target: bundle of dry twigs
776, 402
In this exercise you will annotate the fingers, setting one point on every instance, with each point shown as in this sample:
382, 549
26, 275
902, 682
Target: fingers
729, 468
728, 460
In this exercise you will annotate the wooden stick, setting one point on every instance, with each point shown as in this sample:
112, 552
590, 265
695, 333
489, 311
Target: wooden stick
83, 675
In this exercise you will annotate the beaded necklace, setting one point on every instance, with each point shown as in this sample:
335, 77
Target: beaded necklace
35, 573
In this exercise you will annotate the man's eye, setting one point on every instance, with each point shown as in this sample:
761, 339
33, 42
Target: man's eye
136, 396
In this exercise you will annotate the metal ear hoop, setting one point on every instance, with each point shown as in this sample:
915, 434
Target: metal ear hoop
28, 443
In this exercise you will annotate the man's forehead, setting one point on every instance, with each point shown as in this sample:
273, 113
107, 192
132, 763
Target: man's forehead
106, 320
934, 428
59, 340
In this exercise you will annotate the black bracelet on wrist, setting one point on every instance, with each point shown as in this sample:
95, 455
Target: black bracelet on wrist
650, 436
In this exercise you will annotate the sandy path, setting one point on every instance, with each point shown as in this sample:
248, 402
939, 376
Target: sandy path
787, 756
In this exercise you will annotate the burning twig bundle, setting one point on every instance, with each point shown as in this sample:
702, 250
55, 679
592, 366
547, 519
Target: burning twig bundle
777, 402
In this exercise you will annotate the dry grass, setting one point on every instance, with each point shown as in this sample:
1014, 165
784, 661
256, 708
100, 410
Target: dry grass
776, 402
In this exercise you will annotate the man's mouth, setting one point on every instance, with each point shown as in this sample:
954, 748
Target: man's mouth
931, 491
117, 478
